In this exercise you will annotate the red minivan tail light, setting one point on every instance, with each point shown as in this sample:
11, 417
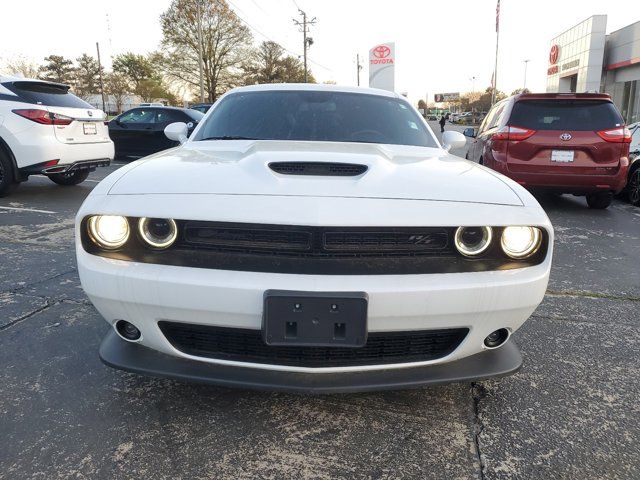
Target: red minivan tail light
616, 135
512, 133
43, 117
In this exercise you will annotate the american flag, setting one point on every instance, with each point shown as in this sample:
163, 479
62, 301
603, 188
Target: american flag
498, 16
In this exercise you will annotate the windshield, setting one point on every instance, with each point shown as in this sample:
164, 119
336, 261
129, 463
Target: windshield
582, 115
315, 116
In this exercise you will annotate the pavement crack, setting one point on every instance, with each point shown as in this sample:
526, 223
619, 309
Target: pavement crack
38, 282
46, 306
595, 295
478, 393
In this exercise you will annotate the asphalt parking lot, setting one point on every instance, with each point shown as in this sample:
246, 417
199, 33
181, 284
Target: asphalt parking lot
571, 412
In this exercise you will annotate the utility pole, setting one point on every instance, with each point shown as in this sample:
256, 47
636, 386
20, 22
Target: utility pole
104, 106
200, 60
306, 41
524, 85
358, 67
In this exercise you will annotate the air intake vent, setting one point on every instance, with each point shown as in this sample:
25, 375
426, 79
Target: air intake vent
324, 169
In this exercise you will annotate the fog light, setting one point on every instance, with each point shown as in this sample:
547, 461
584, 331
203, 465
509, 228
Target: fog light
472, 241
108, 231
158, 232
520, 242
497, 338
127, 330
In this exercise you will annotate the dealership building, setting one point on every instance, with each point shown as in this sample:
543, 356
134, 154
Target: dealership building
584, 58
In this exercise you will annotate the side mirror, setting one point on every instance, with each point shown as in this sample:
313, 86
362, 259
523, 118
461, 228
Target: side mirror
177, 131
469, 132
452, 139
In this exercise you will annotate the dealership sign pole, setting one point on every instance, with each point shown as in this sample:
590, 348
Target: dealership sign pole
382, 60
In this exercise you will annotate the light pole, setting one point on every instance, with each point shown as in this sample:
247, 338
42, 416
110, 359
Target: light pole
200, 62
473, 84
526, 62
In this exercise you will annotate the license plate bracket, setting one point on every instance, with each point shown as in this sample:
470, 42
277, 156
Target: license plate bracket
89, 129
562, 156
314, 319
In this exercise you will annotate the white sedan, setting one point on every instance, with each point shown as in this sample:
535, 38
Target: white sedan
312, 238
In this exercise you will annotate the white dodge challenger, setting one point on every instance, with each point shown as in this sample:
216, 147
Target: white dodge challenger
312, 238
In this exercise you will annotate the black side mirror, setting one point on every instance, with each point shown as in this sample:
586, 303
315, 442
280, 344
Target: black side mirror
469, 132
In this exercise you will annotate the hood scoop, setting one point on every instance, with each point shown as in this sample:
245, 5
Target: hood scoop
321, 169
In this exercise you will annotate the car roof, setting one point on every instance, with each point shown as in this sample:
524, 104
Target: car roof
316, 87
562, 96
160, 106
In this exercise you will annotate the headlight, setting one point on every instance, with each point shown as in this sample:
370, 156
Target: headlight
158, 232
108, 231
472, 241
521, 242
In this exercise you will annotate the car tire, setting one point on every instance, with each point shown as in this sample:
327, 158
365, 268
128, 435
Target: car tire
7, 178
633, 188
68, 179
599, 201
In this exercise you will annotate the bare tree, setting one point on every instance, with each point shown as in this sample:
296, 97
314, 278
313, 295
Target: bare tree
22, 67
268, 64
226, 43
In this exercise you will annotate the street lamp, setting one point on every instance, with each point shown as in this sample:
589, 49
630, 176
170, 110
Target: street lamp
473, 84
524, 86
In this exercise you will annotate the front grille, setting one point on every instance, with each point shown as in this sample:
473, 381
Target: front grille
245, 345
317, 242
325, 169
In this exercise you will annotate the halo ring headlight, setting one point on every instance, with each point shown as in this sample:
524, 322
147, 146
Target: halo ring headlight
520, 242
473, 241
158, 232
108, 231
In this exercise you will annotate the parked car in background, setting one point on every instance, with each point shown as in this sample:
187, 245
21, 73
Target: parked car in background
140, 131
632, 190
567, 143
152, 104
46, 130
308, 238
453, 117
201, 107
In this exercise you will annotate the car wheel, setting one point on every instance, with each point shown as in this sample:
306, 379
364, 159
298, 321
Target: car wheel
633, 188
7, 182
599, 201
73, 178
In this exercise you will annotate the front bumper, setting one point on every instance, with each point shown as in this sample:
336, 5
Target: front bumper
145, 294
136, 358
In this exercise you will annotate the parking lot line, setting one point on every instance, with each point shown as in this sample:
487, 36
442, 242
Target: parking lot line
18, 209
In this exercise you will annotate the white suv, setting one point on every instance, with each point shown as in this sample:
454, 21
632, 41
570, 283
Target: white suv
46, 130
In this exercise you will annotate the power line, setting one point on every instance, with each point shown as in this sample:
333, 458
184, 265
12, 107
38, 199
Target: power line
272, 40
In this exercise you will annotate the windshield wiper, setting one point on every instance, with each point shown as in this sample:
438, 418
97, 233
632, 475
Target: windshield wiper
229, 137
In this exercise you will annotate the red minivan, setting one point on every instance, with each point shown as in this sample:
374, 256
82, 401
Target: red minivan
569, 143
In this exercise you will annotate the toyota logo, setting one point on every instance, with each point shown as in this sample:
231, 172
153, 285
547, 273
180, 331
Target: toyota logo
565, 136
381, 51
554, 54
90, 113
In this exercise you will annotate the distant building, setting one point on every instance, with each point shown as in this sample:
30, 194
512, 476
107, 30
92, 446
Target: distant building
584, 58
128, 101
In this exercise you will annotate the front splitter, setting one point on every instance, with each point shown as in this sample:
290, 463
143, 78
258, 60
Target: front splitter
123, 355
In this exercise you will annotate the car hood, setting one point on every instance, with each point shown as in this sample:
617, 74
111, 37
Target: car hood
240, 167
